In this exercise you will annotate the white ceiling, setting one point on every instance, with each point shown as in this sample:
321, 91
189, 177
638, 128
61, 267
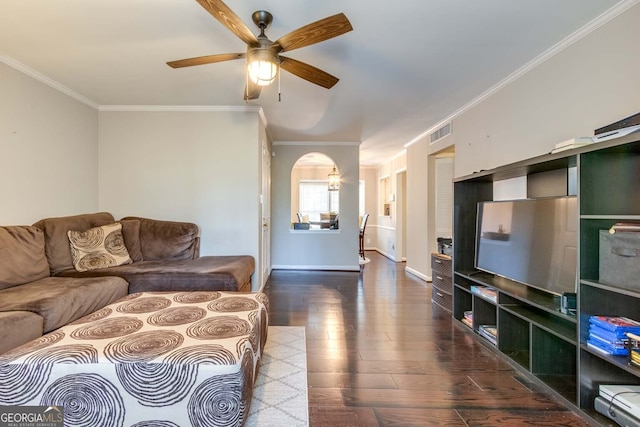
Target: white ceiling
405, 67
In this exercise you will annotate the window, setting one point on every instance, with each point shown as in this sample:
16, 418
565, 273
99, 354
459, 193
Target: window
315, 198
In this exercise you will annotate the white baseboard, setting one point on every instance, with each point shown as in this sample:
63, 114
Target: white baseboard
317, 267
417, 274
391, 257
407, 269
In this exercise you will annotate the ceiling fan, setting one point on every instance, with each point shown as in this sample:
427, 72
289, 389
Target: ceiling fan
263, 55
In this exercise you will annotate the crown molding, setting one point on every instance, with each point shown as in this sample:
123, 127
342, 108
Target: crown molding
19, 66
399, 154
24, 69
184, 108
323, 143
587, 29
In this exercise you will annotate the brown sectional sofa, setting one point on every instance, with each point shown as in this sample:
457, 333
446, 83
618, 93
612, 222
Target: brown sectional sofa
40, 290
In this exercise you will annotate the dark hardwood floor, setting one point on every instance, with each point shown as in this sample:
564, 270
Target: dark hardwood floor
380, 354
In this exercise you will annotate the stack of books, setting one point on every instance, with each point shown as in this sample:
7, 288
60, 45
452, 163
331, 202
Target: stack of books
486, 292
468, 318
607, 334
489, 332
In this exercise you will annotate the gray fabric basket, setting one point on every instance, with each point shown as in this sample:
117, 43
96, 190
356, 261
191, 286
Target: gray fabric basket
620, 259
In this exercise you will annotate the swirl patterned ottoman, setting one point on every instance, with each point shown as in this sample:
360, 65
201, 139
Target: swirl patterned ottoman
150, 359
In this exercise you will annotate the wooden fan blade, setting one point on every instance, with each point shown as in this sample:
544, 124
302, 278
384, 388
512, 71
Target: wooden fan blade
252, 91
229, 19
315, 32
209, 59
308, 72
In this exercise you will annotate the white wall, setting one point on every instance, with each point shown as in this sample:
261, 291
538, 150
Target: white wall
48, 151
419, 245
323, 249
589, 84
202, 167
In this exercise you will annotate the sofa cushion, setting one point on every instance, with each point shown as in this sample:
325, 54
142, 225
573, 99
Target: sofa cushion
60, 300
19, 327
208, 273
22, 254
56, 240
98, 247
167, 240
131, 234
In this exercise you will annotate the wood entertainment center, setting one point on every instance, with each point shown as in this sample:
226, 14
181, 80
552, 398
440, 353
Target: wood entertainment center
532, 332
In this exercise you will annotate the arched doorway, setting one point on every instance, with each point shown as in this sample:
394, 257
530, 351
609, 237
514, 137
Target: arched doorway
315, 193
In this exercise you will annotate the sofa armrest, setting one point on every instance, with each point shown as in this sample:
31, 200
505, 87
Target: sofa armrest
196, 250
167, 240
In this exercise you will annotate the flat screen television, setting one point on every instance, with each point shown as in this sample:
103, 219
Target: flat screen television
531, 241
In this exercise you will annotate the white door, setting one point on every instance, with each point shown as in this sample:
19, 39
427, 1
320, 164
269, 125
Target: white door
401, 216
265, 202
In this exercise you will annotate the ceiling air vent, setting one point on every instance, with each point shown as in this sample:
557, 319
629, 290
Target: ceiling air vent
441, 133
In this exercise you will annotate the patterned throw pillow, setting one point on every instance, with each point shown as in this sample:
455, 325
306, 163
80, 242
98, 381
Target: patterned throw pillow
98, 247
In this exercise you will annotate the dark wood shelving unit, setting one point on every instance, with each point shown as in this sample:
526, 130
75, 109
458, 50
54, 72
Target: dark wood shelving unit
532, 331
565, 330
608, 180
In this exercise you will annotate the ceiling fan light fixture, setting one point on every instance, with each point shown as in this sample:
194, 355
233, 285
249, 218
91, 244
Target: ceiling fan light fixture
262, 66
262, 55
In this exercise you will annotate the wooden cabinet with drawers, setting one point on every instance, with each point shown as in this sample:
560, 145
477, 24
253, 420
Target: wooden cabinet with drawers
441, 285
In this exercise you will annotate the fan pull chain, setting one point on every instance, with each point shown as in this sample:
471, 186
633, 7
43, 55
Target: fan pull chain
279, 93
246, 89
